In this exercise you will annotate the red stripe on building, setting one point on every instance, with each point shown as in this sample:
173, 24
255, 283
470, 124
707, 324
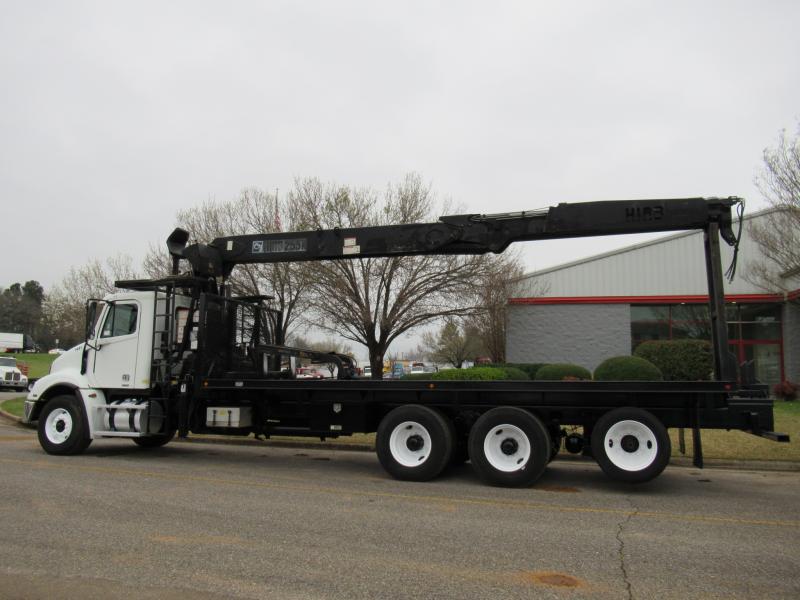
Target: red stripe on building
697, 299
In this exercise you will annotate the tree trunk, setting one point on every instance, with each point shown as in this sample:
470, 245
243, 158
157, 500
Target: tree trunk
376, 353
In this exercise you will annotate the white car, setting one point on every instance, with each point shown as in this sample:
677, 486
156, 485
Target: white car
56, 351
11, 378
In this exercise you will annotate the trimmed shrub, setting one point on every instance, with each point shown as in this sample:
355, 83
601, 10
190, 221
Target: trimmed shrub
679, 360
529, 368
627, 368
481, 373
473, 374
559, 372
412, 376
514, 373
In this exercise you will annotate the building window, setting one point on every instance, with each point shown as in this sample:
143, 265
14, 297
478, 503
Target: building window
754, 331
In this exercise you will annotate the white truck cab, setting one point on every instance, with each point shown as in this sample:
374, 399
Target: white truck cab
102, 388
11, 378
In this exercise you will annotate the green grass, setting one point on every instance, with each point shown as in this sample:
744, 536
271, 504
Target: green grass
738, 445
13, 406
38, 364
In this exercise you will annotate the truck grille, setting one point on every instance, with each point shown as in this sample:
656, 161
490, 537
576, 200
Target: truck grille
12, 376
8, 376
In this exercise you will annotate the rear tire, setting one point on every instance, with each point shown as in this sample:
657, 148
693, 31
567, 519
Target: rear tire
63, 428
509, 447
414, 443
631, 445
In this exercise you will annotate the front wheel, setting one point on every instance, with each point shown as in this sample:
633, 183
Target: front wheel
414, 443
509, 446
63, 428
631, 445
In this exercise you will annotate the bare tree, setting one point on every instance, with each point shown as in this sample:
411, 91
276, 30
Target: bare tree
373, 301
453, 344
254, 211
492, 289
778, 232
64, 306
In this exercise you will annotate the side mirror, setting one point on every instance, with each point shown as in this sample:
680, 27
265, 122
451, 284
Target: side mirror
92, 314
91, 317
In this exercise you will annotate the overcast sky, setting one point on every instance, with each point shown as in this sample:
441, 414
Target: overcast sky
115, 115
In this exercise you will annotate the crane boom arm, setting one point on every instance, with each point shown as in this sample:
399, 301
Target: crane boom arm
457, 234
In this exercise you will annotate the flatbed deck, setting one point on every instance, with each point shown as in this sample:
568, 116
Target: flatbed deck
707, 404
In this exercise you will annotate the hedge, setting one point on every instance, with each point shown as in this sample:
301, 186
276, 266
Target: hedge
679, 360
482, 373
514, 373
472, 374
529, 368
411, 376
558, 372
627, 368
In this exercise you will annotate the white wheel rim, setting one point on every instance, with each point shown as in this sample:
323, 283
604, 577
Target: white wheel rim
630, 445
507, 448
410, 444
58, 426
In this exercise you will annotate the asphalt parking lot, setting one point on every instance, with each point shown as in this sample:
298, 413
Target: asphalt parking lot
222, 521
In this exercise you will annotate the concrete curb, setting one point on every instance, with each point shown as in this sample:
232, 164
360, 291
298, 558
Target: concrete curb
685, 462
14, 418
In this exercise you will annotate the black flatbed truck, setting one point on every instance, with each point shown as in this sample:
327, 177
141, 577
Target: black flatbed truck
215, 362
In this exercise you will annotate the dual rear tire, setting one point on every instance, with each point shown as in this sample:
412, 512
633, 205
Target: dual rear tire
511, 447
507, 446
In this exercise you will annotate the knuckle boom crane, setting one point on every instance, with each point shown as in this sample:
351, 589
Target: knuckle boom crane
213, 365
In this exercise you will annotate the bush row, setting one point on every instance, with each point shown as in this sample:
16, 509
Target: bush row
530, 369
670, 360
679, 360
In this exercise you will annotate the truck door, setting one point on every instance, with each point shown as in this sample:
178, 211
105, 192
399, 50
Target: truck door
114, 362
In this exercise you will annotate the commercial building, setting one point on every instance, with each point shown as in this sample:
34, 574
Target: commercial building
588, 310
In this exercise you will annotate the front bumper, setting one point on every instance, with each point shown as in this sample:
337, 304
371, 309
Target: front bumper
27, 410
10, 383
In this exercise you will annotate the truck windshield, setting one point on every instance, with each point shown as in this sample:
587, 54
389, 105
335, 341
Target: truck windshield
8, 362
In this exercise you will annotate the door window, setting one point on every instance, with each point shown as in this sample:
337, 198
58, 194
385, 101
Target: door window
120, 320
